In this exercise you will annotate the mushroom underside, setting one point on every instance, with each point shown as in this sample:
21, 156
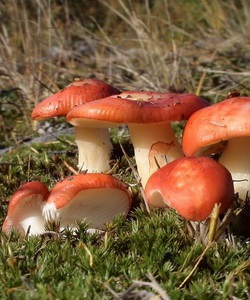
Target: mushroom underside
94, 206
27, 218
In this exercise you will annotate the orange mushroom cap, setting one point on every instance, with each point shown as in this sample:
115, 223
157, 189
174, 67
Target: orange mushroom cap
138, 108
76, 93
207, 128
191, 186
25, 209
93, 197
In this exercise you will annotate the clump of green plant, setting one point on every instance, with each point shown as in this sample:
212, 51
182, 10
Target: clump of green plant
127, 251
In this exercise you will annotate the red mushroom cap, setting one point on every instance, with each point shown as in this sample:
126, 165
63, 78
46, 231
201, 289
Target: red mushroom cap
207, 128
191, 186
25, 208
93, 197
76, 93
138, 108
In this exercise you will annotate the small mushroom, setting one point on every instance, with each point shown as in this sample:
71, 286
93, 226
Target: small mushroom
95, 198
25, 209
191, 186
148, 116
76, 93
223, 128
79, 92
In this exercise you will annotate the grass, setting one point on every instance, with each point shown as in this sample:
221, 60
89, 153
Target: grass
194, 46
81, 266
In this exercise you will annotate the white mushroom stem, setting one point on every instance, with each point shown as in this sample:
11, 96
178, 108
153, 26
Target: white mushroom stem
236, 159
155, 145
94, 148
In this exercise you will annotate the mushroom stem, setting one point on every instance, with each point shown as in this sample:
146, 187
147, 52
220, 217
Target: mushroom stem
155, 145
94, 148
236, 159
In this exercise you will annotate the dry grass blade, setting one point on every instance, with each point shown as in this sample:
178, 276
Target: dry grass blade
223, 72
135, 291
71, 169
88, 252
209, 245
214, 218
155, 285
231, 213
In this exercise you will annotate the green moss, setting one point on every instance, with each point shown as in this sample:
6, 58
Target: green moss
78, 264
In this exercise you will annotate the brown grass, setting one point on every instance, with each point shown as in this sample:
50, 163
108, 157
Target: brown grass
195, 46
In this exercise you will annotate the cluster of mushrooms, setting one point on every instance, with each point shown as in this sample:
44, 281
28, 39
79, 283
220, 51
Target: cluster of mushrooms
180, 176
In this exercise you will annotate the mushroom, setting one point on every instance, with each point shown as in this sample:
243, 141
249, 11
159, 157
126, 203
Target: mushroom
25, 209
191, 186
78, 92
148, 116
223, 127
96, 198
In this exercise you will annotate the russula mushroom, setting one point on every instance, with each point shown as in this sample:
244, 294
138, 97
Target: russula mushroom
25, 209
223, 127
59, 104
148, 116
76, 93
191, 186
95, 198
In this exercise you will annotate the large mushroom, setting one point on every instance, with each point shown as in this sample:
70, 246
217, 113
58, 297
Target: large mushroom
148, 116
95, 198
223, 127
25, 209
76, 93
191, 186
